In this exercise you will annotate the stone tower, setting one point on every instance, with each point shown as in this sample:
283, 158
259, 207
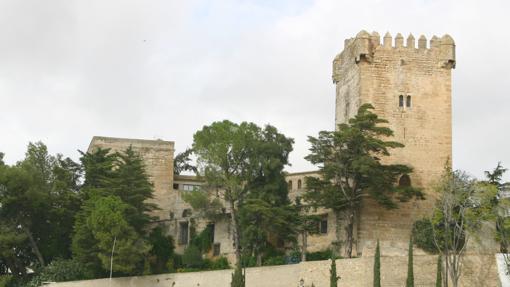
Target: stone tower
410, 86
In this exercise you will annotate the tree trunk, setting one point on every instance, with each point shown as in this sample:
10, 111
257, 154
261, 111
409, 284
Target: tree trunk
235, 233
349, 229
33, 244
304, 239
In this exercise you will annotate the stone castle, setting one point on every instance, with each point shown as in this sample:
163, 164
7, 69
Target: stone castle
409, 85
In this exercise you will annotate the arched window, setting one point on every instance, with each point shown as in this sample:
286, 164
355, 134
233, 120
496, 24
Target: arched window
299, 184
408, 101
401, 101
404, 181
290, 184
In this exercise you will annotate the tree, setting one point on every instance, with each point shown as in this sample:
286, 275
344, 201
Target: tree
333, 278
439, 279
463, 206
350, 168
182, 162
377, 266
306, 224
238, 278
496, 175
410, 271
105, 222
130, 182
242, 162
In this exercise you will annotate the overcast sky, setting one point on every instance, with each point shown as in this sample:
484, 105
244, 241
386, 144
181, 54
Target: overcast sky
70, 70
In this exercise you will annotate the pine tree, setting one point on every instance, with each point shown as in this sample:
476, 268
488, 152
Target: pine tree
439, 277
333, 278
410, 271
377, 266
238, 278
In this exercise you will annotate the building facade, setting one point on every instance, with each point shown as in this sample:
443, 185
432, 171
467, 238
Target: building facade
409, 85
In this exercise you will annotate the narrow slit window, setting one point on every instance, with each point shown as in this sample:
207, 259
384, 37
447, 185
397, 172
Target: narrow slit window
290, 184
299, 184
401, 101
408, 101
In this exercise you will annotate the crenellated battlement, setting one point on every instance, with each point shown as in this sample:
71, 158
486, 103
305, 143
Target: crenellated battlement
364, 47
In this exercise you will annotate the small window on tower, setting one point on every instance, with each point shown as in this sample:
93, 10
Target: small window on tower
299, 184
290, 184
408, 101
401, 101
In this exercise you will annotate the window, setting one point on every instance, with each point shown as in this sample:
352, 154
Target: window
404, 181
323, 225
176, 186
186, 213
216, 249
183, 233
290, 184
211, 227
401, 101
408, 101
299, 184
190, 187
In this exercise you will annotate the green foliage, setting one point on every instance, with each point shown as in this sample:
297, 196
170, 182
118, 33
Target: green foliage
377, 266
182, 162
238, 278
320, 255
200, 201
246, 162
350, 165
218, 264
192, 257
274, 260
439, 277
496, 175
59, 271
39, 191
5, 279
333, 277
423, 235
204, 240
162, 251
410, 271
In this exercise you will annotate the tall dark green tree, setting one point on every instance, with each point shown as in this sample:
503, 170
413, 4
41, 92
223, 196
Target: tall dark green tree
333, 277
377, 266
439, 277
350, 165
182, 162
410, 270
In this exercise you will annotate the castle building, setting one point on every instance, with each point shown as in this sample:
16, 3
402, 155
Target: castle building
409, 85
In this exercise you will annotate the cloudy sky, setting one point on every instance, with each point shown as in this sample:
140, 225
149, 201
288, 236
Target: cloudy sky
71, 69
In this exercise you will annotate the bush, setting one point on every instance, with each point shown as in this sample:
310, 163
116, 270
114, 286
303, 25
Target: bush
275, 260
5, 280
219, 264
423, 236
192, 257
320, 255
59, 270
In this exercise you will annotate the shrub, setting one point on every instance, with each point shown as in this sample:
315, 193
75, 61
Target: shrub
275, 260
219, 264
59, 270
423, 235
192, 258
5, 280
238, 278
320, 255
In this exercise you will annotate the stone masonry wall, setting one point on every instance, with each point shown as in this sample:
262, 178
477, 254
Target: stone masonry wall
480, 271
368, 71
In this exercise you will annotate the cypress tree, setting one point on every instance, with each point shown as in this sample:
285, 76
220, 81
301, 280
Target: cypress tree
410, 271
238, 278
377, 266
439, 277
333, 278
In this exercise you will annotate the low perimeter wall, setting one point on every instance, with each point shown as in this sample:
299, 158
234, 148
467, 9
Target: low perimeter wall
479, 271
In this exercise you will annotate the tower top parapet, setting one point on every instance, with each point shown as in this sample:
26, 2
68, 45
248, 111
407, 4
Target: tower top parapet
364, 46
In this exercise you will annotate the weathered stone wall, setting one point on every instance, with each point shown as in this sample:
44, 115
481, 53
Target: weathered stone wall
158, 157
370, 72
479, 271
